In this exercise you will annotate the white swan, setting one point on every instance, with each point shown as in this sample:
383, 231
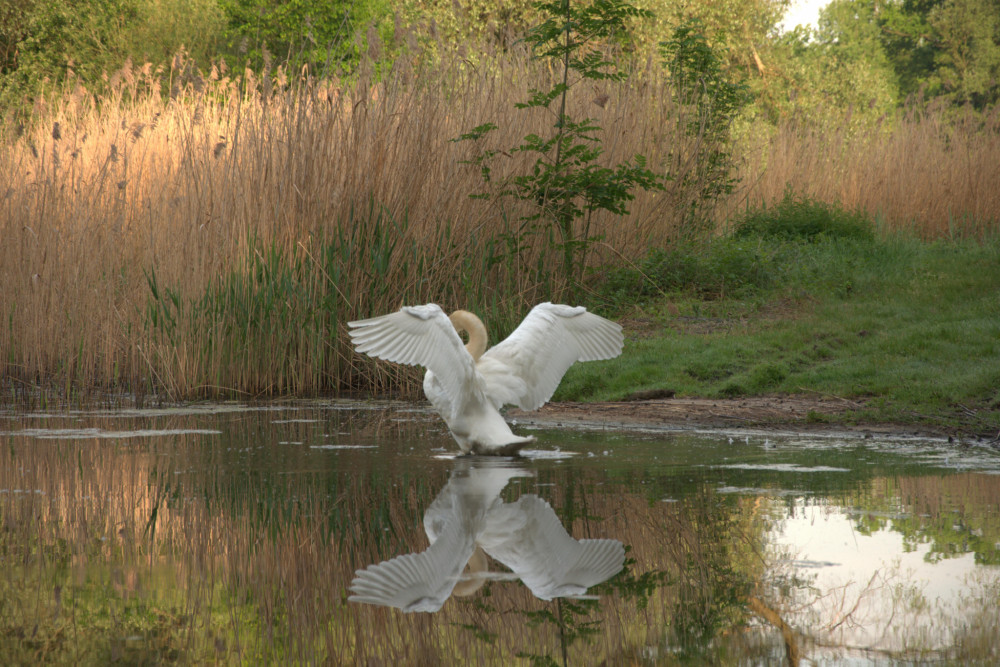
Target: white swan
467, 384
424, 581
468, 518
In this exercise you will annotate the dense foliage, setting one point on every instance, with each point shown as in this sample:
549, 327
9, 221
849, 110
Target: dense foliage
866, 56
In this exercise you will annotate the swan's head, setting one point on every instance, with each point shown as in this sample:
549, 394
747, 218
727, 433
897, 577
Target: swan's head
465, 321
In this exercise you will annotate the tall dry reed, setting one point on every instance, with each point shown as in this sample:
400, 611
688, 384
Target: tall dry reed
215, 240
932, 172
188, 244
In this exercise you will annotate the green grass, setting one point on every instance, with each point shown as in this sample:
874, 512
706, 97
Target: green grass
910, 329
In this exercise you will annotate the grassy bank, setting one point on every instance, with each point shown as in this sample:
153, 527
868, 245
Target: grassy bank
213, 243
804, 297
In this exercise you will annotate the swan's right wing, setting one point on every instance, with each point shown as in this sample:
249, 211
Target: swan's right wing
419, 336
419, 581
539, 352
528, 537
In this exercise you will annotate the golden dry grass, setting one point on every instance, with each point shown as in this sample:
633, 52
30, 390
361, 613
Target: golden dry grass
266, 215
106, 194
933, 172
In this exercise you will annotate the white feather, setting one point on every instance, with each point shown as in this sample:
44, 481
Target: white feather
418, 581
548, 341
424, 581
420, 336
528, 537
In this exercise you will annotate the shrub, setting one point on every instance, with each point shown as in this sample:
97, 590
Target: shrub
795, 218
712, 269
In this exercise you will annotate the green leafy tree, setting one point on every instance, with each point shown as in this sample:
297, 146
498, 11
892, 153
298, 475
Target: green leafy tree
856, 70
968, 58
566, 183
947, 48
738, 31
13, 30
43, 41
909, 41
713, 101
320, 34
818, 74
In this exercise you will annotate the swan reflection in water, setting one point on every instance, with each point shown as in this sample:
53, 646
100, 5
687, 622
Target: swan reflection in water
468, 520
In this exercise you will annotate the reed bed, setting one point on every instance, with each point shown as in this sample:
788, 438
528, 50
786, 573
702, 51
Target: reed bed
931, 172
213, 241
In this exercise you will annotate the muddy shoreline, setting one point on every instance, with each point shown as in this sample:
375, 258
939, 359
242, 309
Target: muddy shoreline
799, 413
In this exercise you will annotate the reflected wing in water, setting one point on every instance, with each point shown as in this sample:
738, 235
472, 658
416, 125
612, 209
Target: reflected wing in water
423, 581
528, 537
416, 582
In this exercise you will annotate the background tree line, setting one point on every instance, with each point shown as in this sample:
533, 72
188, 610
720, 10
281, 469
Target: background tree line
868, 56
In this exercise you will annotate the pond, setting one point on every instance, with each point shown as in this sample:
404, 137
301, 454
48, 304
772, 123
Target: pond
338, 533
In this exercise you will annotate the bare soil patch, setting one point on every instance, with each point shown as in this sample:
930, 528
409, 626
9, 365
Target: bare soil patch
802, 412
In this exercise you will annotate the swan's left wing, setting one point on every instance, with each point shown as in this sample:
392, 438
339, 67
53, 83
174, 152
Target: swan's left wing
419, 581
528, 537
419, 335
550, 339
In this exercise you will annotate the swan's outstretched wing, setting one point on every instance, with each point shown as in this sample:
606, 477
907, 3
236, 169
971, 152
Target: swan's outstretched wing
419, 581
528, 537
550, 339
421, 336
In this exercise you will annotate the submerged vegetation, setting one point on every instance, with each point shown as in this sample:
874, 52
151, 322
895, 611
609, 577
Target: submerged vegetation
190, 231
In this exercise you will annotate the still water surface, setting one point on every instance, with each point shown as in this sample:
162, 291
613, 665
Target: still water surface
228, 533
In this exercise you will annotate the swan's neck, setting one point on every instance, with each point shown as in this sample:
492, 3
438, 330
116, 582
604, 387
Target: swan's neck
463, 320
473, 578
